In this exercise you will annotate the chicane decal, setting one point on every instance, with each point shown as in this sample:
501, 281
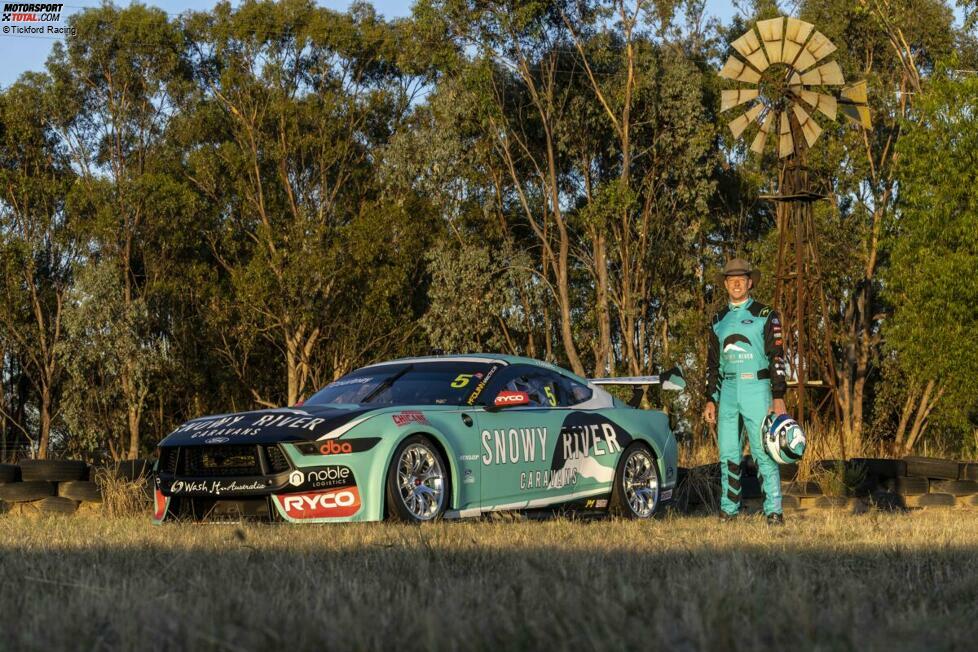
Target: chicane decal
333, 503
408, 417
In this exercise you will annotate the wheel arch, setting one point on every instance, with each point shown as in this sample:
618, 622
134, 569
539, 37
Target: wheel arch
441, 444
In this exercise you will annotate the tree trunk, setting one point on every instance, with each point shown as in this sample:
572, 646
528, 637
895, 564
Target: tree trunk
134, 414
604, 361
45, 414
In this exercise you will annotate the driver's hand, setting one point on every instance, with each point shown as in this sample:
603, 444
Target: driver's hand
710, 413
778, 406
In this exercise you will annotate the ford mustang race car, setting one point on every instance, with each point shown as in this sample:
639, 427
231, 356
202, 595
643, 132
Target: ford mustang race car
422, 438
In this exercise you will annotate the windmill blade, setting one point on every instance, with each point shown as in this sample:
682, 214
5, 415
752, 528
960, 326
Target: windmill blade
809, 128
853, 104
856, 93
730, 99
822, 102
786, 145
739, 124
737, 70
772, 33
828, 74
814, 51
858, 113
795, 36
761, 138
750, 48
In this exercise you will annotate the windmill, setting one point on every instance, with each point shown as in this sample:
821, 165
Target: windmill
785, 81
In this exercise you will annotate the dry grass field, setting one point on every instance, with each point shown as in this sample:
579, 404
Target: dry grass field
826, 581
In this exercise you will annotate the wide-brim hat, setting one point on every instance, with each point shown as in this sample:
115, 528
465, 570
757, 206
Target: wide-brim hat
739, 267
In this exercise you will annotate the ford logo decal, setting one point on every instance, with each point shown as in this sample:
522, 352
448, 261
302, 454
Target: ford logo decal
217, 440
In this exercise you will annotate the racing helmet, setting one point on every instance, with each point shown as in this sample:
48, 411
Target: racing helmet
783, 438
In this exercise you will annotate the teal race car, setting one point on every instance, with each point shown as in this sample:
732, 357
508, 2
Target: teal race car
419, 439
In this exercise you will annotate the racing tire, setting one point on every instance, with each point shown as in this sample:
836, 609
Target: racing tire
9, 473
22, 492
790, 502
52, 470
750, 487
80, 490
636, 492
908, 486
832, 502
954, 487
970, 472
418, 484
932, 467
881, 469
800, 489
57, 505
936, 500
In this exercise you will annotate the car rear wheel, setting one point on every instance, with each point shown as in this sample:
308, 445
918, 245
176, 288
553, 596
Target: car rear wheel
417, 482
636, 490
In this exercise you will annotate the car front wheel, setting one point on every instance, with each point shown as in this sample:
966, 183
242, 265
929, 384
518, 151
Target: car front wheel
417, 482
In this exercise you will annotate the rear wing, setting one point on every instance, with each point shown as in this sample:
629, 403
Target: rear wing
670, 380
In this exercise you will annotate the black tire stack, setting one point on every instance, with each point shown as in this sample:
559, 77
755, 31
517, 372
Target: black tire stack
47, 487
855, 485
938, 483
909, 483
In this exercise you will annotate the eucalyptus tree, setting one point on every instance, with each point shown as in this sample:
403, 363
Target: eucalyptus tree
293, 104
119, 80
39, 249
590, 131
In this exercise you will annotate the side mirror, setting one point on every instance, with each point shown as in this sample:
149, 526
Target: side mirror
507, 398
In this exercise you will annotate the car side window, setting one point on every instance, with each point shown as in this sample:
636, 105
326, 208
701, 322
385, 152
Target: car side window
573, 392
542, 388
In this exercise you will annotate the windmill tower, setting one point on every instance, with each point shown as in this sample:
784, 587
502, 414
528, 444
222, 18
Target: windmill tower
784, 79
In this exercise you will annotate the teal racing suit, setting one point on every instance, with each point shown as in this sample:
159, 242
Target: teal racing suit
745, 369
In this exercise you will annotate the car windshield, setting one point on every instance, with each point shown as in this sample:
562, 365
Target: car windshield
418, 383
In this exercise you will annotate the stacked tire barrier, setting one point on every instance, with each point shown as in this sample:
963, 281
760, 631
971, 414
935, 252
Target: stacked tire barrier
854, 485
62, 487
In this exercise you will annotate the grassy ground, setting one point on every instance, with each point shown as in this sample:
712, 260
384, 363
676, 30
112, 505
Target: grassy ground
825, 581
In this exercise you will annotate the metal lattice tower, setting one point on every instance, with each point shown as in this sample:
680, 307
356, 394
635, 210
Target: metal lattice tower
785, 79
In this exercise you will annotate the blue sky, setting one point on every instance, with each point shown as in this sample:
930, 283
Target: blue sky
23, 53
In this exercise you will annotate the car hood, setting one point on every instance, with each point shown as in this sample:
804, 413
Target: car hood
305, 423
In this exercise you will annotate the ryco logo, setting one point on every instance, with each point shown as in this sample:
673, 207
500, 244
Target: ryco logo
322, 504
335, 447
512, 398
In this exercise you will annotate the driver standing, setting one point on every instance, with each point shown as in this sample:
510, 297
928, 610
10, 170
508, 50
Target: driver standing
745, 382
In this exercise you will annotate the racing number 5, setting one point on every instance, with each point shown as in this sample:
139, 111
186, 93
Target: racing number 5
550, 395
461, 381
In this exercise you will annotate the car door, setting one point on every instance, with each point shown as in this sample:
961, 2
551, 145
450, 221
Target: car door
589, 443
518, 444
